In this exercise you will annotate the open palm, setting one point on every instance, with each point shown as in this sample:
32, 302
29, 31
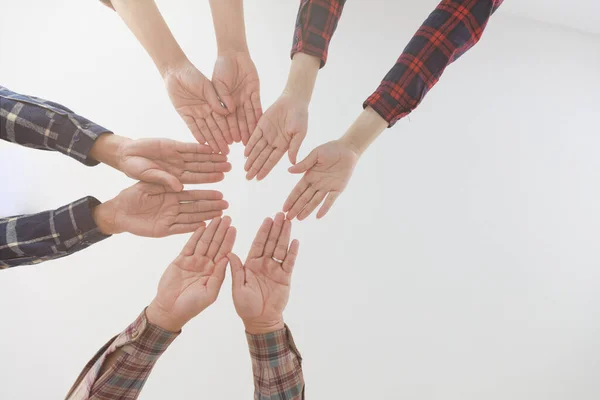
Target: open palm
236, 82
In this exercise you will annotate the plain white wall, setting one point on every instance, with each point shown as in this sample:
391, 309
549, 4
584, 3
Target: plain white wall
462, 262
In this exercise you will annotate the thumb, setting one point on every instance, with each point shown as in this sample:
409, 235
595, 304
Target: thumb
218, 276
237, 271
161, 177
224, 95
211, 97
295, 147
305, 164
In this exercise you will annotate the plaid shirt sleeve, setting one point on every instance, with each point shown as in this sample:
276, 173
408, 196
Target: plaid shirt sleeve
44, 125
451, 29
141, 345
315, 25
277, 366
32, 239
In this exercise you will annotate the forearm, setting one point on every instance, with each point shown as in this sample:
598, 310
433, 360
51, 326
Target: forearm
230, 28
107, 149
302, 77
122, 366
147, 24
451, 30
44, 125
276, 365
31, 239
367, 127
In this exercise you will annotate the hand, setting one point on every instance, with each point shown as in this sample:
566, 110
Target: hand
327, 170
283, 126
150, 210
236, 81
261, 287
195, 99
192, 282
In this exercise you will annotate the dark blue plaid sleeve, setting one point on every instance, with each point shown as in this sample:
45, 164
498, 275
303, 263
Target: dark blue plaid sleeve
32, 239
41, 124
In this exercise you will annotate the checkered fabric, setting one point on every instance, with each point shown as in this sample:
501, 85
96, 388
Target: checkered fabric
275, 360
452, 28
42, 124
276, 365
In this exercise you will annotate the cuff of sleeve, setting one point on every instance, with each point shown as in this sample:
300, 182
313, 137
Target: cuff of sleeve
86, 134
86, 230
144, 340
387, 106
272, 349
311, 51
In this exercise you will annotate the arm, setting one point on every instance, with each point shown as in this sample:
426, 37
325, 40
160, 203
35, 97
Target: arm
191, 93
143, 209
284, 125
261, 289
120, 368
328, 168
234, 76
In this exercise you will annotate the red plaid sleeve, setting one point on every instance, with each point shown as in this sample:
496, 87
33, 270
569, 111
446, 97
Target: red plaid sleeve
453, 28
277, 366
315, 25
141, 344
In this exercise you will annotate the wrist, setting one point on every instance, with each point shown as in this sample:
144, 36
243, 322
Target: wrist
303, 76
158, 316
364, 131
104, 217
255, 327
107, 149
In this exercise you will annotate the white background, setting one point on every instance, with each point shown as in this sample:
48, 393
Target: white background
462, 262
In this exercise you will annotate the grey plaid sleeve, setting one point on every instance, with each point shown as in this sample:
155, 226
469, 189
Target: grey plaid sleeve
32, 239
45, 125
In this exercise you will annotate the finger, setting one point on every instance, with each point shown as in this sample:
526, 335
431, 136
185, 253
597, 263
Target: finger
161, 177
305, 164
260, 146
243, 124
273, 159
256, 105
207, 134
177, 229
207, 236
207, 167
215, 281
224, 127
284, 241
312, 204
250, 119
215, 244
195, 157
258, 245
328, 204
295, 194
200, 206
193, 127
213, 100
295, 144
259, 162
189, 247
194, 148
195, 178
192, 195
274, 235
256, 136
237, 271
290, 259
193, 218
301, 203
232, 123
217, 134
224, 95
227, 243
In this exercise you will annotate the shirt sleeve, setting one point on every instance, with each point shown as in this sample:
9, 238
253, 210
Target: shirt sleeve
451, 29
277, 366
34, 238
45, 125
141, 344
315, 26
